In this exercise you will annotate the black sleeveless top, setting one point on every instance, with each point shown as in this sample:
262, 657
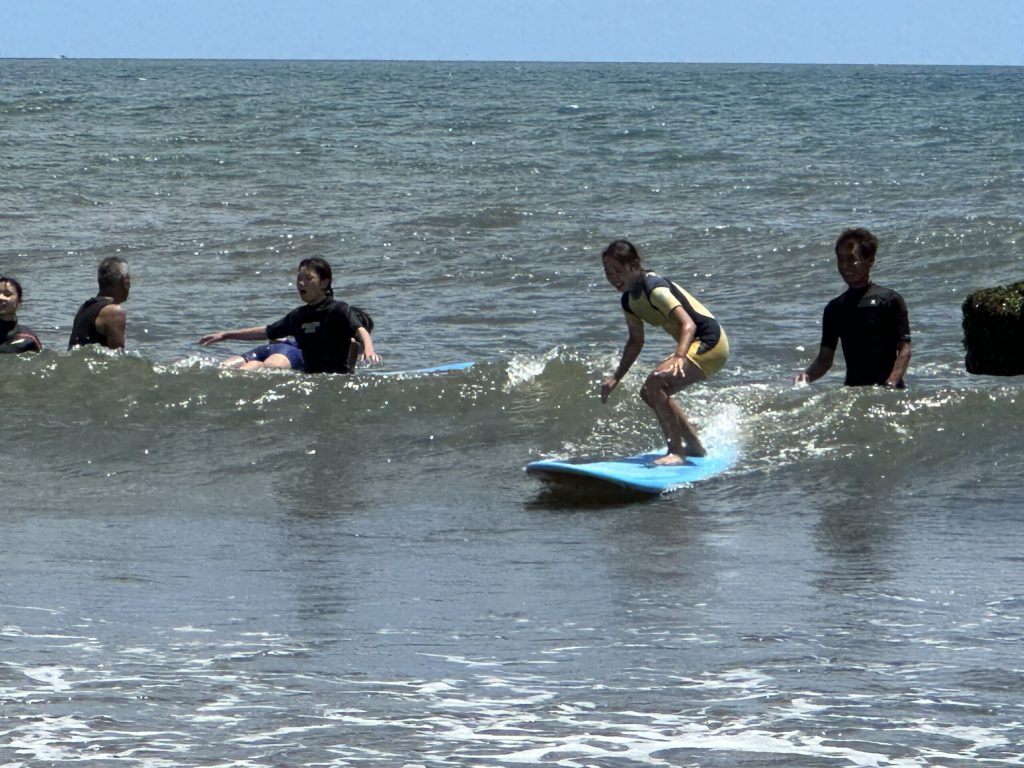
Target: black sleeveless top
83, 331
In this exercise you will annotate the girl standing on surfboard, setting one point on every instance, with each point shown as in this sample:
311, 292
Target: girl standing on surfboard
701, 344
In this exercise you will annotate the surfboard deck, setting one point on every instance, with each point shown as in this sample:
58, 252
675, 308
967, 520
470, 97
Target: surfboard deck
637, 473
445, 368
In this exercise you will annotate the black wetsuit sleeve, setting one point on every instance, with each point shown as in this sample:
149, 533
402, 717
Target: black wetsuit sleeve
830, 326
22, 342
899, 307
281, 328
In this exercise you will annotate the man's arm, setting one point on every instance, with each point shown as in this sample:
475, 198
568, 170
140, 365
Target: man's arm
899, 368
819, 367
111, 323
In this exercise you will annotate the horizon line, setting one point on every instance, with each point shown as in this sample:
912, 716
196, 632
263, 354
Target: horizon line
63, 57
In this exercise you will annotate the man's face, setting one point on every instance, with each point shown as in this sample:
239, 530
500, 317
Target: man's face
854, 269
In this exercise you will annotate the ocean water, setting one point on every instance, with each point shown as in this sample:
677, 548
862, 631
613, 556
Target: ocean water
207, 568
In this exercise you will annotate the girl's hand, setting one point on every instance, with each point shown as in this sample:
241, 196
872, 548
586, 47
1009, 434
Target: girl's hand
211, 338
607, 387
672, 365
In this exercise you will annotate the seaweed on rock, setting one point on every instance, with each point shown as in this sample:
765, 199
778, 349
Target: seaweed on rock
994, 330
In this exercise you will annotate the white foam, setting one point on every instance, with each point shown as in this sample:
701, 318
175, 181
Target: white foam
52, 677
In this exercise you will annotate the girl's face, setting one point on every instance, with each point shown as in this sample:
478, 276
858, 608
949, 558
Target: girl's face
311, 287
9, 301
621, 276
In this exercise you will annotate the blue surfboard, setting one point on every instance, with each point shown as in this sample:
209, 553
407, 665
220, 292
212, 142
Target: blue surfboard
446, 368
638, 473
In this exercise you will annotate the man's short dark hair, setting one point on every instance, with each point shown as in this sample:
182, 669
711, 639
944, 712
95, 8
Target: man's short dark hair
865, 242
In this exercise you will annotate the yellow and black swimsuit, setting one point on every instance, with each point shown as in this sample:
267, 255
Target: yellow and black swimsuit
653, 298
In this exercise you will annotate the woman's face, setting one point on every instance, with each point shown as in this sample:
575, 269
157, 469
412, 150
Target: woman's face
311, 287
9, 301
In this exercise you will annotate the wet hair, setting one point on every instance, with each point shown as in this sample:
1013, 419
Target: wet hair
322, 270
15, 283
865, 244
622, 251
111, 271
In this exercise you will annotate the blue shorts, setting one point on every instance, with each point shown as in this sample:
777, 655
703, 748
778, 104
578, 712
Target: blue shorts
286, 348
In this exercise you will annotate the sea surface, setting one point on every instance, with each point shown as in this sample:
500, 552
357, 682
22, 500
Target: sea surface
208, 568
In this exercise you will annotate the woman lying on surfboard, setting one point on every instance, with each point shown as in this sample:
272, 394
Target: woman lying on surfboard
329, 334
701, 344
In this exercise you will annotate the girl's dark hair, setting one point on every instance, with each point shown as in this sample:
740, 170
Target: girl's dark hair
322, 269
622, 251
15, 283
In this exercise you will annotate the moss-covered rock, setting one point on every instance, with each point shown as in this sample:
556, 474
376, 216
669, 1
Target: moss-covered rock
994, 330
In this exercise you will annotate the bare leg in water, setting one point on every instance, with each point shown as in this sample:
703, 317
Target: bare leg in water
657, 392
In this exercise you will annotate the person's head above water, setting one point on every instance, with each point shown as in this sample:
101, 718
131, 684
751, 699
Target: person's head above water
10, 296
621, 262
313, 280
855, 256
114, 278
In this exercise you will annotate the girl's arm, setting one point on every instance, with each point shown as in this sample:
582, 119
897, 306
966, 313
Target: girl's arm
366, 344
255, 333
634, 344
684, 340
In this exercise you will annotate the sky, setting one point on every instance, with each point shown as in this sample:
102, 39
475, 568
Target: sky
961, 32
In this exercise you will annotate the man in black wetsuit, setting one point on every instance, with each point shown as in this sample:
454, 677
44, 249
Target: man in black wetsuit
101, 320
871, 321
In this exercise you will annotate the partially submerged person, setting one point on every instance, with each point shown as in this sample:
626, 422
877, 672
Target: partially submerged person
871, 321
14, 338
701, 344
329, 334
101, 320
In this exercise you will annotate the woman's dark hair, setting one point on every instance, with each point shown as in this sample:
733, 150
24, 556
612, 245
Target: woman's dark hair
15, 283
622, 251
322, 269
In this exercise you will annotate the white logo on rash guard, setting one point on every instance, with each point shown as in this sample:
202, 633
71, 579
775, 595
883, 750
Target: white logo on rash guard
310, 327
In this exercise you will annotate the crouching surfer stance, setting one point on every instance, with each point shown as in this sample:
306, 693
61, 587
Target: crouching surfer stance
329, 335
701, 344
